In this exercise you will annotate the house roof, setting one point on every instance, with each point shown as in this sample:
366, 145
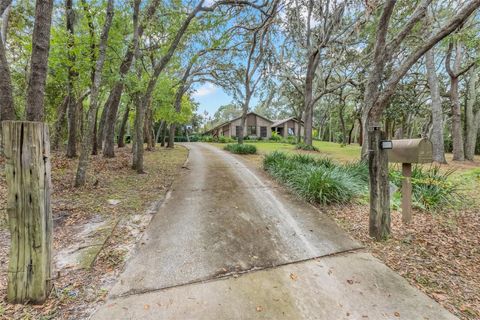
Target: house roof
276, 123
227, 122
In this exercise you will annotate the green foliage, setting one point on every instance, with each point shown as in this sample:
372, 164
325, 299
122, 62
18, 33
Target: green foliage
275, 136
206, 138
220, 139
306, 147
244, 148
317, 180
432, 189
224, 139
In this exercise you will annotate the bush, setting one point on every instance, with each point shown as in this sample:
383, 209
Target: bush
290, 140
206, 138
307, 147
431, 188
241, 148
275, 136
224, 139
317, 180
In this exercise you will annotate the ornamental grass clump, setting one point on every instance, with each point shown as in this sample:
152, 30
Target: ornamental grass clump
241, 148
317, 180
432, 188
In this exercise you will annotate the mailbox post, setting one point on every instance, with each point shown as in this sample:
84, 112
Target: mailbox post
406, 152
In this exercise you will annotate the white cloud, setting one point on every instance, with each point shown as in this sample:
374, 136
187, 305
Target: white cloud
205, 90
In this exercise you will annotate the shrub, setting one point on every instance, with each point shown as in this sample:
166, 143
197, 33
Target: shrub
307, 147
290, 140
431, 188
224, 139
206, 138
241, 148
275, 136
317, 180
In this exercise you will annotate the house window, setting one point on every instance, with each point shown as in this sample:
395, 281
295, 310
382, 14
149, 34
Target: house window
291, 131
251, 130
263, 132
237, 131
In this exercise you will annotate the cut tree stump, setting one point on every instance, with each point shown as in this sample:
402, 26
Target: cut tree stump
27, 152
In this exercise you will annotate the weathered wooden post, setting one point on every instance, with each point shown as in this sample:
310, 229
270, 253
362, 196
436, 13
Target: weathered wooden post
27, 152
406, 192
406, 152
379, 222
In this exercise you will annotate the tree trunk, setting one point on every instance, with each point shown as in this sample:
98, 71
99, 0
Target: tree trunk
27, 150
457, 136
171, 136
164, 133
39, 61
72, 110
471, 117
139, 124
7, 110
59, 124
437, 113
116, 93
343, 127
80, 177
123, 127
350, 132
95, 135
148, 129
101, 126
379, 226
308, 102
159, 131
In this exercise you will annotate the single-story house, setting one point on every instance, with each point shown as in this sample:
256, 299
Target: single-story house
258, 126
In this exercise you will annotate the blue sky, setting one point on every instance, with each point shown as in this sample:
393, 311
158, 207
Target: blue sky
210, 98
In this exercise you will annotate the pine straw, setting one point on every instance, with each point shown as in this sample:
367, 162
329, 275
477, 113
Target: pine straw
437, 253
76, 292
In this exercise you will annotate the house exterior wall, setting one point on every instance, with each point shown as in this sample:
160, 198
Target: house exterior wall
252, 120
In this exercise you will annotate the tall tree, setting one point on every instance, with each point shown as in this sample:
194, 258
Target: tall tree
72, 76
87, 138
7, 110
472, 115
39, 62
116, 92
381, 85
455, 71
437, 112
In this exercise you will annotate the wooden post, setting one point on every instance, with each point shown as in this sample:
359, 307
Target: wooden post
379, 223
27, 169
407, 192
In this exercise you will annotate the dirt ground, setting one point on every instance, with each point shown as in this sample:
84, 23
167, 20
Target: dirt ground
116, 196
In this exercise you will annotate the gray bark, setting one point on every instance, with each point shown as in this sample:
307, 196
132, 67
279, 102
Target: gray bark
472, 116
454, 72
7, 110
437, 112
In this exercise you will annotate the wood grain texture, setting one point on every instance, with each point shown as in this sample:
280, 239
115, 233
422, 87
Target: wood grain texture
27, 169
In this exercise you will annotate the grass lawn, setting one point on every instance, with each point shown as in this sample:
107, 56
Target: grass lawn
326, 149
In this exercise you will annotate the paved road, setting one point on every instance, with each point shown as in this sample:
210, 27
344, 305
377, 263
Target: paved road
230, 244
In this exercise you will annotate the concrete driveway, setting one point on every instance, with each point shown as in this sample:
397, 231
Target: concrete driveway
228, 243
